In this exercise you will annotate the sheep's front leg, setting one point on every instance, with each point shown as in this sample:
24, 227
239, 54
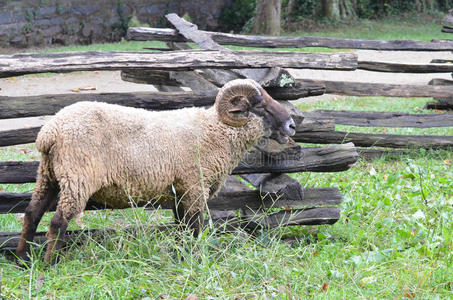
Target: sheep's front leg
194, 222
194, 205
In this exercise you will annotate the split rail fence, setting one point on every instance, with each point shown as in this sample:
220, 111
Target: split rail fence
264, 167
177, 39
207, 69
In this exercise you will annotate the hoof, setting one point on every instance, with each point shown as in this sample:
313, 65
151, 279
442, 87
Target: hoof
21, 259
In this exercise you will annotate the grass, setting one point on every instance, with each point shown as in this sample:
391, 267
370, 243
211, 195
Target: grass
406, 28
394, 238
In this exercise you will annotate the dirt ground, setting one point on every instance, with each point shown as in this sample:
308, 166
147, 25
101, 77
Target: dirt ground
106, 81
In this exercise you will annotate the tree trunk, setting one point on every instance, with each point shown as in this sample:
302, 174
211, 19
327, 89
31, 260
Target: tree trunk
331, 9
267, 17
338, 9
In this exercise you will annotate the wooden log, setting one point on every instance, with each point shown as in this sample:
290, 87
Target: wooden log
28, 135
276, 184
439, 106
190, 32
440, 81
168, 89
383, 119
326, 159
381, 140
380, 89
18, 171
404, 68
194, 81
312, 216
31, 106
266, 77
296, 91
18, 136
442, 41
447, 29
20, 64
262, 76
442, 103
165, 34
441, 61
447, 21
144, 76
226, 200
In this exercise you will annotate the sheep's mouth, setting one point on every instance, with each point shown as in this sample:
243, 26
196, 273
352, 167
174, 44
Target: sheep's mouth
281, 138
286, 130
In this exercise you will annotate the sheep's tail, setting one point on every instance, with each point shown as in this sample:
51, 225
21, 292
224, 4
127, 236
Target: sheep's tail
47, 137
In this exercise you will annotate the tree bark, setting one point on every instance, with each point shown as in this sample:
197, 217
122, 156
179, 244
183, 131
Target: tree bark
338, 9
267, 17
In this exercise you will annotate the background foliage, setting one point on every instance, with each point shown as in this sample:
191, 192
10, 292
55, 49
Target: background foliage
237, 16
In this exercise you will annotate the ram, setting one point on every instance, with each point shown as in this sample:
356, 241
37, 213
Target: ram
115, 155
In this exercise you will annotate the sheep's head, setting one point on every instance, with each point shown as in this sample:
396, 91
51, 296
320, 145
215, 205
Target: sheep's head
238, 98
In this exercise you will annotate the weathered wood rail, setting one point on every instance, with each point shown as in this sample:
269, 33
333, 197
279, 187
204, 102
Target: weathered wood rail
290, 217
383, 119
327, 159
380, 140
206, 40
21, 64
172, 35
31, 106
228, 200
350, 88
208, 69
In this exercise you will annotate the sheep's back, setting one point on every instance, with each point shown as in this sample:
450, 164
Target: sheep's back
122, 147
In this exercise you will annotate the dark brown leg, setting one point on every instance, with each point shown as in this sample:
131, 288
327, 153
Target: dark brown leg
55, 235
178, 212
74, 195
194, 223
44, 196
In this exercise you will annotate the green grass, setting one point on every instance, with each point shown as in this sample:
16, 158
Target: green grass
394, 238
405, 28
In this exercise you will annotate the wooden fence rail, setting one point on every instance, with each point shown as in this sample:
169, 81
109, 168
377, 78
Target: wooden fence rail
327, 159
349, 88
21, 64
251, 199
172, 35
383, 119
30, 106
380, 140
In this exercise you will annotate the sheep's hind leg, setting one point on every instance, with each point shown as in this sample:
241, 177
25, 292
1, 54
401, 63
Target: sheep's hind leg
44, 197
71, 204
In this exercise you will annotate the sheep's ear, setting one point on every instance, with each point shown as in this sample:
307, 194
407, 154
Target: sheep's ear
238, 108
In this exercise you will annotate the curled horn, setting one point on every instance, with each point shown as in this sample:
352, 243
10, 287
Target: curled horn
237, 96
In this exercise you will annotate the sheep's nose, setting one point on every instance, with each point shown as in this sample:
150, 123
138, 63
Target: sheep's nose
289, 127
